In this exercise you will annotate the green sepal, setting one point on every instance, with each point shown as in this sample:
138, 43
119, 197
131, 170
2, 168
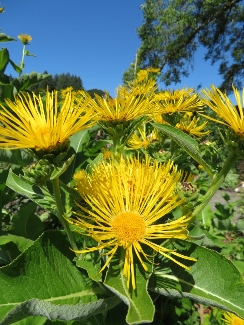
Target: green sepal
186, 142
121, 129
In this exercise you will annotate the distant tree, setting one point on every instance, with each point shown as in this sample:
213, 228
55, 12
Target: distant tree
172, 31
76, 82
58, 82
65, 80
99, 92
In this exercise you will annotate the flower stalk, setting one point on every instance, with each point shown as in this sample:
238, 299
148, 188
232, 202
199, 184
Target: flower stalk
22, 64
60, 212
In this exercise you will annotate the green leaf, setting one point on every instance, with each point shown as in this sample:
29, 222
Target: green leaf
91, 262
11, 247
6, 92
21, 242
33, 320
58, 171
46, 283
27, 80
212, 280
33, 192
186, 142
25, 223
4, 59
5, 38
29, 54
76, 146
4, 79
141, 308
15, 66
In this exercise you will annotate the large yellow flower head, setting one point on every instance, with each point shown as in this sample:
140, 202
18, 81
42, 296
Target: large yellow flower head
41, 124
231, 319
133, 100
229, 113
182, 100
128, 203
143, 139
192, 126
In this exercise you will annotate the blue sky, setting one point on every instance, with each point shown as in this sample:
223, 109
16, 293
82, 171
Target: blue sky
93, 39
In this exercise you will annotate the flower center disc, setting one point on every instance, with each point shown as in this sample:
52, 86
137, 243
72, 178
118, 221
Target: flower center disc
129, 226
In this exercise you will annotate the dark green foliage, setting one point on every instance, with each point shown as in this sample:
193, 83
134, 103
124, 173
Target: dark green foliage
58, 82
173, 30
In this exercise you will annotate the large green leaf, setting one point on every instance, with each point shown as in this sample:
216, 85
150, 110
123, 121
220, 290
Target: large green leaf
186, 142
212, 280
12, 246
141, 309
43, 281
34, 320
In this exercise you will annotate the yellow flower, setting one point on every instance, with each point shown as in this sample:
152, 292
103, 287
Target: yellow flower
128, 203
25, 38
133, 100
142, 141
66, 90
230, 115
190, 125
183, 100
231, 319
31, 122
107, 154
143, 75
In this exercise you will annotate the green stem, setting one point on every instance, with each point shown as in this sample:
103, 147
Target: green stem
22, 60
117, 147
173, 147
216, 182
60, 212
